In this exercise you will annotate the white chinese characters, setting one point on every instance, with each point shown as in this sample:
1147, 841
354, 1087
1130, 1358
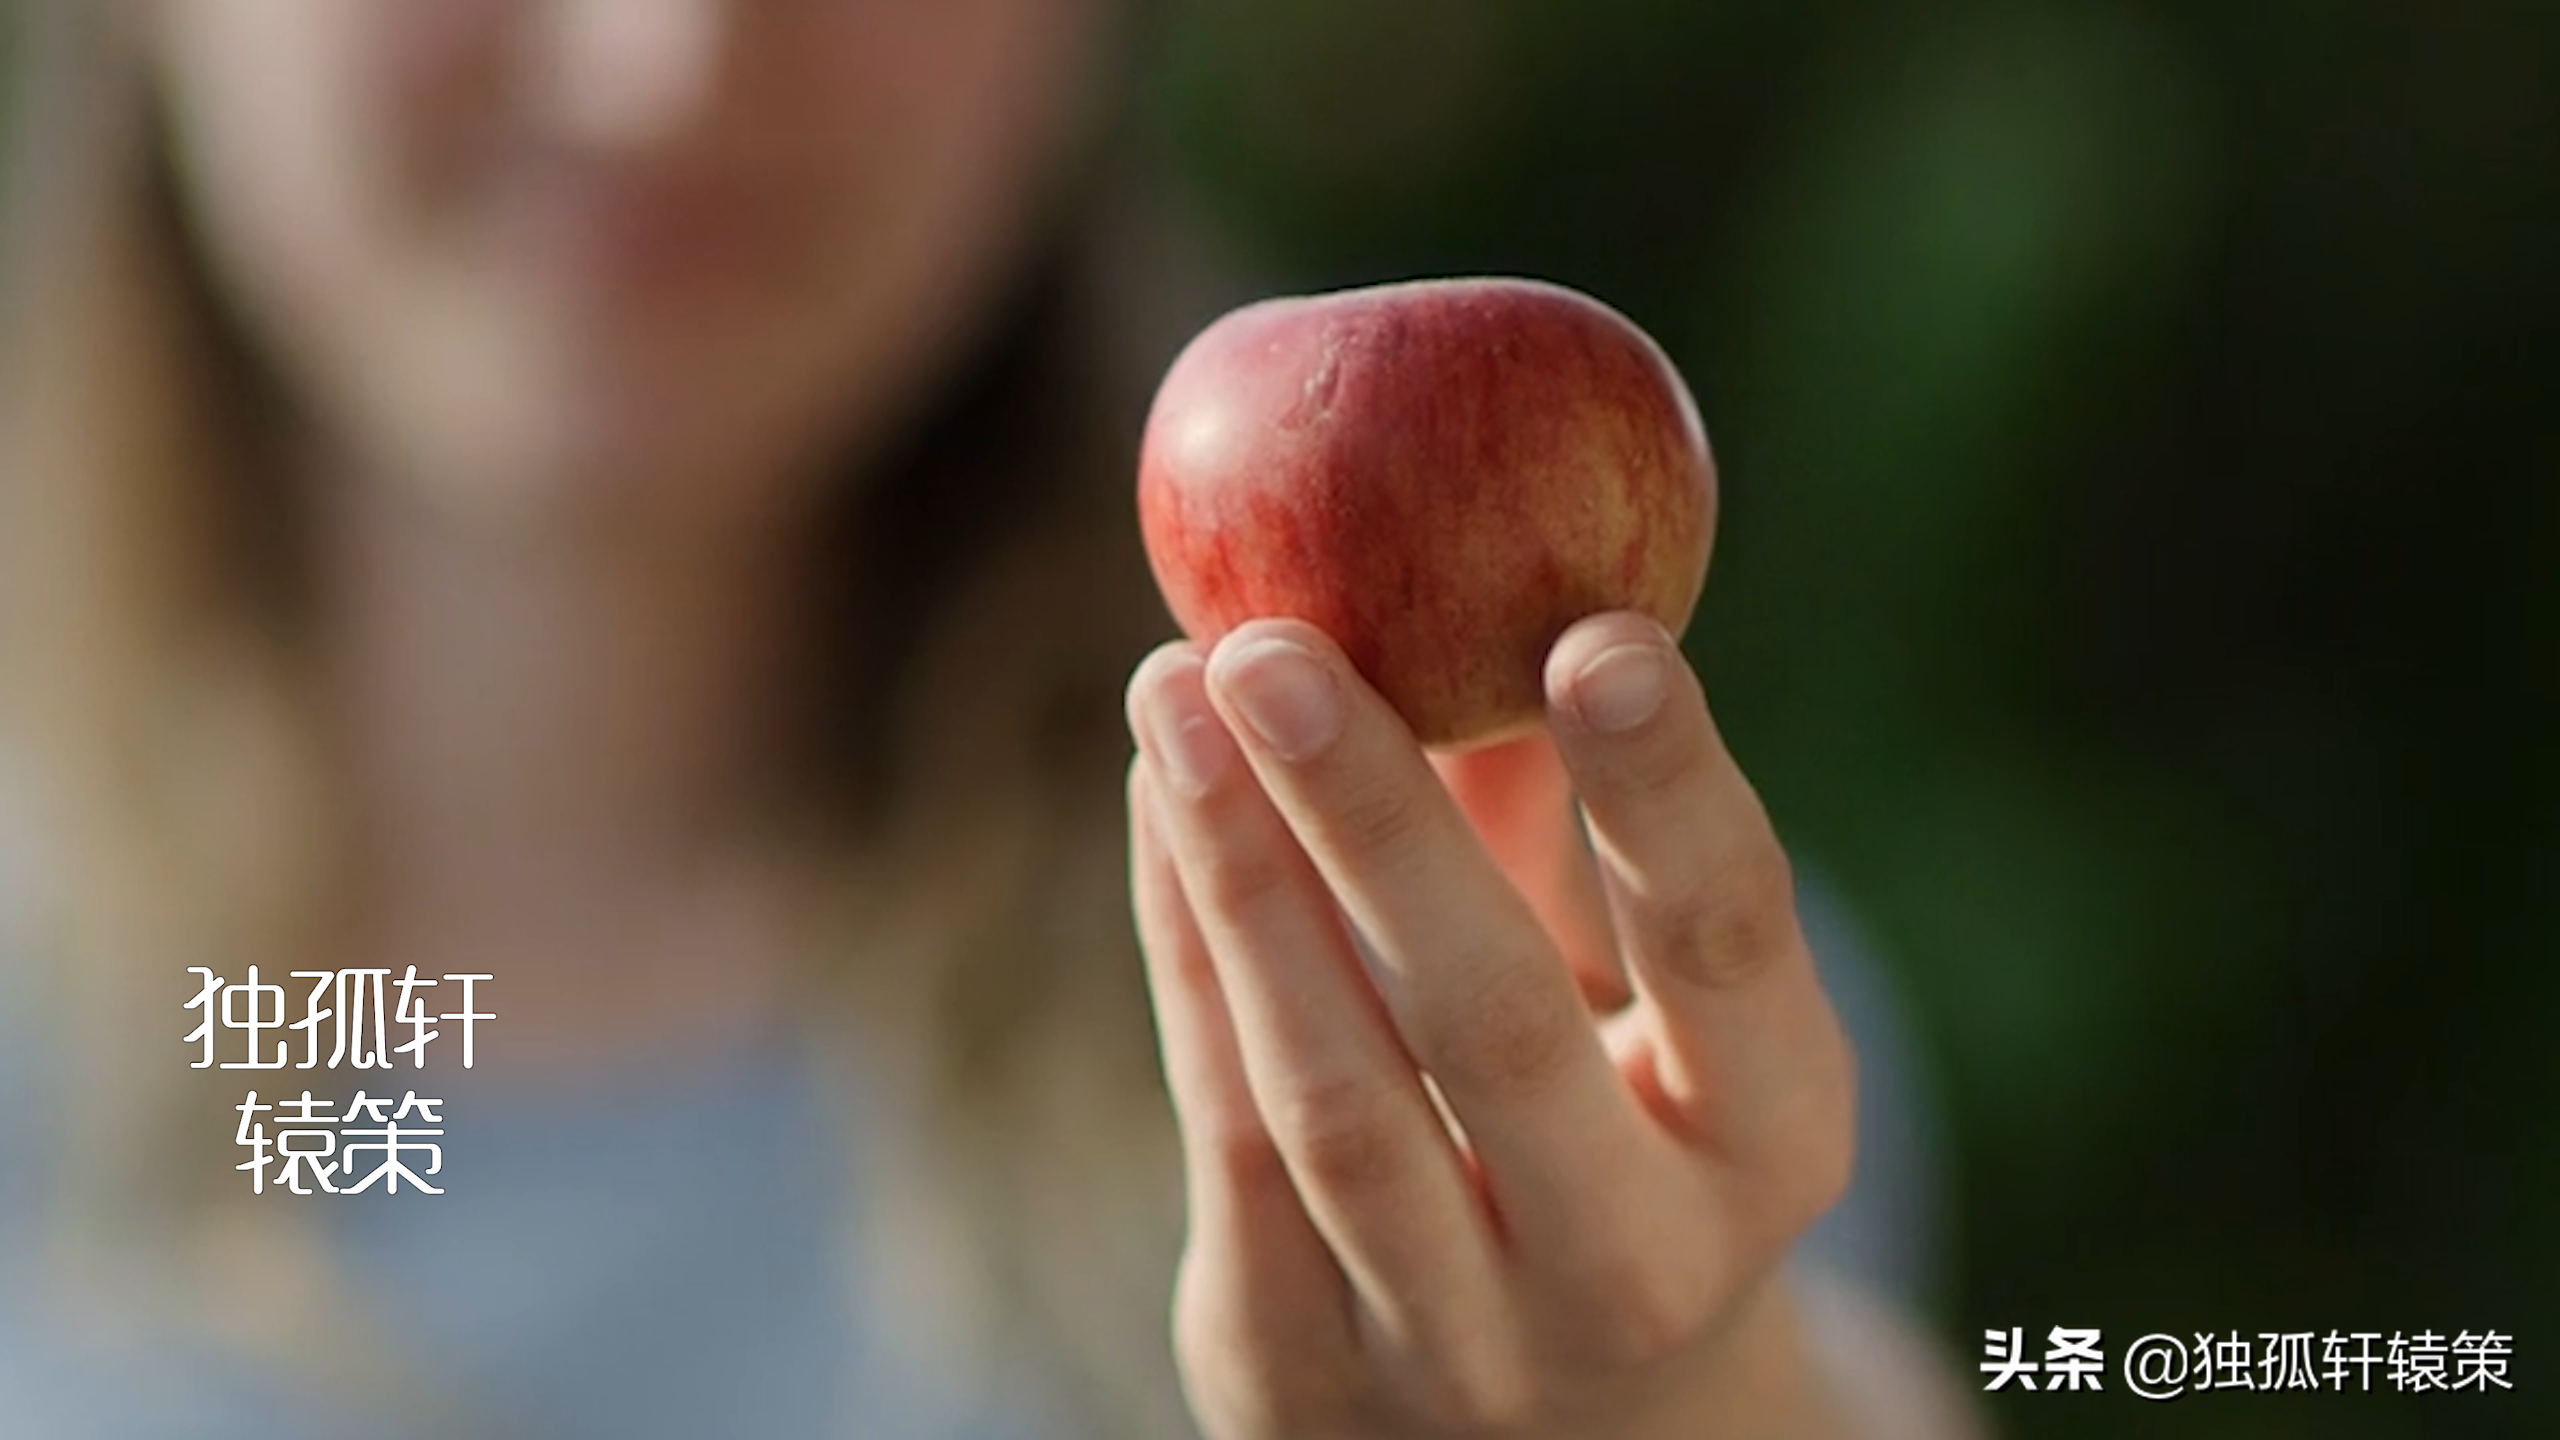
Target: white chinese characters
360, 1019
359, 1030
305, 1147
2169, 1367
2071, 1359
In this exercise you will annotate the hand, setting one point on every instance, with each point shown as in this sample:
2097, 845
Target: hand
1442, 1181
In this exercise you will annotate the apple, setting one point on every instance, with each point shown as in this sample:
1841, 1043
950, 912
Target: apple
1442, 475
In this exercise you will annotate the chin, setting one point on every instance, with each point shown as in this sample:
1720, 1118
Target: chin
677, 474
696, 430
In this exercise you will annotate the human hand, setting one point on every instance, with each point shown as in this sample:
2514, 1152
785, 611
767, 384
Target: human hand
1579, 1234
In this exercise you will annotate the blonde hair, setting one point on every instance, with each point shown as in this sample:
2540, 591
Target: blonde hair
982, 978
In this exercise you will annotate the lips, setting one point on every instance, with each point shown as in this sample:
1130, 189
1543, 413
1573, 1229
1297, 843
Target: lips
637, 237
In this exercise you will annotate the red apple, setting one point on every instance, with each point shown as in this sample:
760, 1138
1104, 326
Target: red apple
1441, 475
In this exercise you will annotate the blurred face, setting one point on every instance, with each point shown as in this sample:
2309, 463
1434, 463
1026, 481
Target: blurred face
617, 257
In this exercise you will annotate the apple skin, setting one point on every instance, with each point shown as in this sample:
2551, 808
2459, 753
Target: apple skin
1442, 475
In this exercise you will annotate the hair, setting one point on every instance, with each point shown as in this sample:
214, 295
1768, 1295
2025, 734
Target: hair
980, 972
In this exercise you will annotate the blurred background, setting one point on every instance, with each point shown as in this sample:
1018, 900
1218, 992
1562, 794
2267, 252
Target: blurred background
2135, 589
2140, 431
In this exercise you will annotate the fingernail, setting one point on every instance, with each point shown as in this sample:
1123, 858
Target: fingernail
1620, 689
1285, 695
1187, 737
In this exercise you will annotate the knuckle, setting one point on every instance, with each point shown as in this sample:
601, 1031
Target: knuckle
1375, 821
1238, 879
1340, 1137
1505, 1035
1194, 967
1641, 1312
1724, 927
1247, 1156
